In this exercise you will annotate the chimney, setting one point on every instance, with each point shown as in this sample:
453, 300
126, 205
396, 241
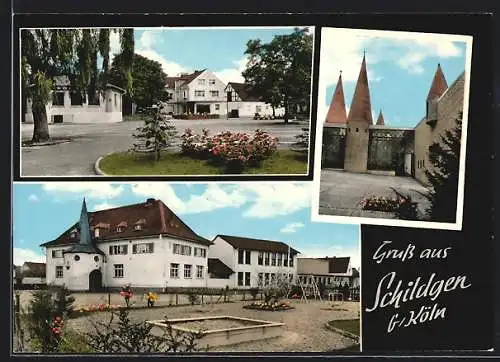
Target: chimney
150, 201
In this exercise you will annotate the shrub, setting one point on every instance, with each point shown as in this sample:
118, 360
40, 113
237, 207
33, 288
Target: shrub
254, 292
193, 296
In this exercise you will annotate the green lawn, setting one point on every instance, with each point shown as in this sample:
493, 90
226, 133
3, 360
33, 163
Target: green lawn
349, 325
170, 163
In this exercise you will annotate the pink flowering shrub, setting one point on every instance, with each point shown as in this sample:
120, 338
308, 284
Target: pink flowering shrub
235, 150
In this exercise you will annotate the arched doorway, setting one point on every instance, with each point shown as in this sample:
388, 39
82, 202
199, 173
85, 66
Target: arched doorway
95, 281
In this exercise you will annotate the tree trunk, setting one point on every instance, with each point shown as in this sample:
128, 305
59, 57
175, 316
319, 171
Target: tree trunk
23, 108
41, 126
274, 112
158, 155
285, 117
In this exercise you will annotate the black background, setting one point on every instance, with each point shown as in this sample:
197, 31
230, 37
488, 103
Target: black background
469, 318
473, 253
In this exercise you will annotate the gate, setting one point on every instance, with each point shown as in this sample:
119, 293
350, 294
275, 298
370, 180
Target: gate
333, 150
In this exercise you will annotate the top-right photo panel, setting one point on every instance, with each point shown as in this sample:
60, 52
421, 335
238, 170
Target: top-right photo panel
392, 128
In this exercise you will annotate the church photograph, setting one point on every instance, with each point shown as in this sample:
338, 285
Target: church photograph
391, 128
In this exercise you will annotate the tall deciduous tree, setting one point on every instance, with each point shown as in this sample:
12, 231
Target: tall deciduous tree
47, 53
149, 80
443, 177
280, 71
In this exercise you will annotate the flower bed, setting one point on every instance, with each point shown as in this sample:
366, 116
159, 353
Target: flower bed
196, 116
272, 307
384, 204
232, 149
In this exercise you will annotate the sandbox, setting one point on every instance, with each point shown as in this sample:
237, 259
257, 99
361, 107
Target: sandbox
222, 330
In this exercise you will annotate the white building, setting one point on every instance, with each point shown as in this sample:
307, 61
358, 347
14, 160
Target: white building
242, 101
143, 245
69, 106
240, 262
200, 92
32, 274
331, 272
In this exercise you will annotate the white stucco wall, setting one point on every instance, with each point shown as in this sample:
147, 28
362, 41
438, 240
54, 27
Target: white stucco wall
248, 109
77, 276
51, 263
207, 87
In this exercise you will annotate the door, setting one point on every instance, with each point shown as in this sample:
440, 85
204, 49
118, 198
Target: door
235, 113
95, 281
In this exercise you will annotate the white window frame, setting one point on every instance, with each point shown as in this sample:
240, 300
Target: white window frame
59, 271
199, 272
188, 271
174, 270
121, 249
143, 248
116, 270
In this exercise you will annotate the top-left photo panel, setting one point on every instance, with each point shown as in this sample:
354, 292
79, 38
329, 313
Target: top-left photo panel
164, 102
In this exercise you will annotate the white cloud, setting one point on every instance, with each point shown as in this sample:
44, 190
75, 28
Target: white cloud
292, 227
412, 62
103, 206
321, 251
21, 255
100, 190
233, 74
264, 199
33, 198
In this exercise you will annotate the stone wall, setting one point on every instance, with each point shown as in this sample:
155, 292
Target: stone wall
356, 150
449, 107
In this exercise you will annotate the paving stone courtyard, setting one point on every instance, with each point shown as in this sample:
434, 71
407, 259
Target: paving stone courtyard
88, 142
341, 193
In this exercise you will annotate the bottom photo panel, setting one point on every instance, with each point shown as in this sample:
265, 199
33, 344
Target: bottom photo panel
160, 267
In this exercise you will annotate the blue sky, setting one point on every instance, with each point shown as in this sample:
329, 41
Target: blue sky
275, 211
187, 49
401, 67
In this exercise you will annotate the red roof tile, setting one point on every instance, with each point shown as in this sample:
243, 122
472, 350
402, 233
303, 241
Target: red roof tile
158, 218
337, 111
439, 84
361, 108
186, 78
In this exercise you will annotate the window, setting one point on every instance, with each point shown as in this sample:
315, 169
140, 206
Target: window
143, 248
247, 257
174, 271
211, 81
261, 278
187, 271
273, 278
285, 260
266, 279
279, 259
77, 257
273, 259
58, 99
247, 279
118, 249
138, 227
291, 261
200, 252
96, 258
118, 270
59, 271
357, 129
260, 258
76, 99
182, 249
199, 271
258, 109
201, 81
240, 278
266, 259
217, 107
214, 93
198, 93
57, 253
116, 100
241, 254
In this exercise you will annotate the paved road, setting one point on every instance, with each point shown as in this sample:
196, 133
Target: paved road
341, 192
90, 141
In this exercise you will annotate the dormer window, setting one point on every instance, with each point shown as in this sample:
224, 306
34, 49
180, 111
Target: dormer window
139, 224
96, 232
99, 228
138, 227
73, 233
121, 227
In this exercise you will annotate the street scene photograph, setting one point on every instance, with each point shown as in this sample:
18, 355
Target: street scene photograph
165, 101
180, 267
392, 126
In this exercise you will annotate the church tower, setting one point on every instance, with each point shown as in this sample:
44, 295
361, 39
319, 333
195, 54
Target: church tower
358, 124
337, 112
438, 87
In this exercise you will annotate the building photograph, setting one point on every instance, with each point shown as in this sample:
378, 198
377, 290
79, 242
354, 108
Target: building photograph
115, 83
391, 110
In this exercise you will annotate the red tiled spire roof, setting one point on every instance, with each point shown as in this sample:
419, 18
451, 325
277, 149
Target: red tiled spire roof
337, 112
439, 84
380, 119
361, 108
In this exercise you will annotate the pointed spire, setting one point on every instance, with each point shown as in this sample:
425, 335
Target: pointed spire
361, 109
380, 119
85, 236
439, 84
337, 111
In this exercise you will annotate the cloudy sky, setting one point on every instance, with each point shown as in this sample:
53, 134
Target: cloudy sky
400, 69
275, 211
187, 49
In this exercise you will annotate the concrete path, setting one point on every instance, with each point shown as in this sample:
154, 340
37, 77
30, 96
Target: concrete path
341, 192
90, 141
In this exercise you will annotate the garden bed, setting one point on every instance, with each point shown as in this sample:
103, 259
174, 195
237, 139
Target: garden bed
275, 307
196, 116
348, 327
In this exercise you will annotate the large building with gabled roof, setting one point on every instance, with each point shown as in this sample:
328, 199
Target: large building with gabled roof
354, 142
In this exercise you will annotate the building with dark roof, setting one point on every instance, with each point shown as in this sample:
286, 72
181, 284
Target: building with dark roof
329, 271
144, 245
355, 143
244, 101
253, 262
